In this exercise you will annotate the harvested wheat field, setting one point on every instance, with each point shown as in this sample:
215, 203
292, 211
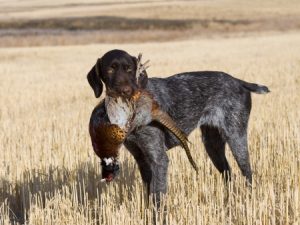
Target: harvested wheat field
49, 173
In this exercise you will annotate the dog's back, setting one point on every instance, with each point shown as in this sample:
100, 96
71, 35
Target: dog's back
205, 98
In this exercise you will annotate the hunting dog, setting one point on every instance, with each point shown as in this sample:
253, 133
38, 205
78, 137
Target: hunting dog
214, 102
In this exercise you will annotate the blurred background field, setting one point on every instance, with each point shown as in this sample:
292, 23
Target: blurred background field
49, 173
32, 23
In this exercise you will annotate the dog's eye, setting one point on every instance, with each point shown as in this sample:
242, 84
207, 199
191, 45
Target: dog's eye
128, 69
110, 70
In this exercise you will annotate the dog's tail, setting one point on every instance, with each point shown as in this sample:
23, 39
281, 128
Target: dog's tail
256, 88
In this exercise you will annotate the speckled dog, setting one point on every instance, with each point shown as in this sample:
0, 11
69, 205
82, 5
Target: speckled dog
215, 102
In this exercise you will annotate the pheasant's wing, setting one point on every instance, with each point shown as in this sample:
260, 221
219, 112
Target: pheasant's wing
107, 140
106, 137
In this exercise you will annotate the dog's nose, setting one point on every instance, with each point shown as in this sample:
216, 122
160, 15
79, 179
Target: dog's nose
127, 90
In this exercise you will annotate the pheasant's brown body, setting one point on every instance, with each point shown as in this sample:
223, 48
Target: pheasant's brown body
109, 137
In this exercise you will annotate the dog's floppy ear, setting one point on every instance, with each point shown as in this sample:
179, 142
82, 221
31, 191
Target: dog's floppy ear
94, 79
142, 79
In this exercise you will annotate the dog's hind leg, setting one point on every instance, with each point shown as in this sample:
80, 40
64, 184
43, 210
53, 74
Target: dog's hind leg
215, 148
237, 142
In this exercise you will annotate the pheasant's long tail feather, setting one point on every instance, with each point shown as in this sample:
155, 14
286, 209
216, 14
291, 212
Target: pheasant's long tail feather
167, 122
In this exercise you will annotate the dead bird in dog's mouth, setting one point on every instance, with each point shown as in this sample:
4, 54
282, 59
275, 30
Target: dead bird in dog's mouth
123, 116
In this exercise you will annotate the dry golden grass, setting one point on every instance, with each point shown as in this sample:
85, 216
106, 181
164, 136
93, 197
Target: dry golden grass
50, 175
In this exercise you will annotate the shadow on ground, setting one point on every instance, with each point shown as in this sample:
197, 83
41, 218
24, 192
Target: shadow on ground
85, 177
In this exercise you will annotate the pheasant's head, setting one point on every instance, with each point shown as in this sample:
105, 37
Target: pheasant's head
110, 168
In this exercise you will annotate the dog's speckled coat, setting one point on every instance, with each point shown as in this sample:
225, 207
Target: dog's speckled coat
214, 102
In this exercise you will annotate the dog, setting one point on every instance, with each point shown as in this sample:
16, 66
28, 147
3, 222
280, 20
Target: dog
215, 102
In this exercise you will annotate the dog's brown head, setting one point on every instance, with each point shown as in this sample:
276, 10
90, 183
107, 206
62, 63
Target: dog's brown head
117, 70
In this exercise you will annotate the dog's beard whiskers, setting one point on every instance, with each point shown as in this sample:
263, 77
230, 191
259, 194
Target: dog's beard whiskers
113, 93
117, 94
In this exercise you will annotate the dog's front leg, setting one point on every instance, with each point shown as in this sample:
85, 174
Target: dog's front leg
150, 154
158, 183
159, 167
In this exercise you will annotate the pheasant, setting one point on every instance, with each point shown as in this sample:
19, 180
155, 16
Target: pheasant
122, 117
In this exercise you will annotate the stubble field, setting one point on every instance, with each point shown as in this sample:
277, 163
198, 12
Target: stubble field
50, 175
